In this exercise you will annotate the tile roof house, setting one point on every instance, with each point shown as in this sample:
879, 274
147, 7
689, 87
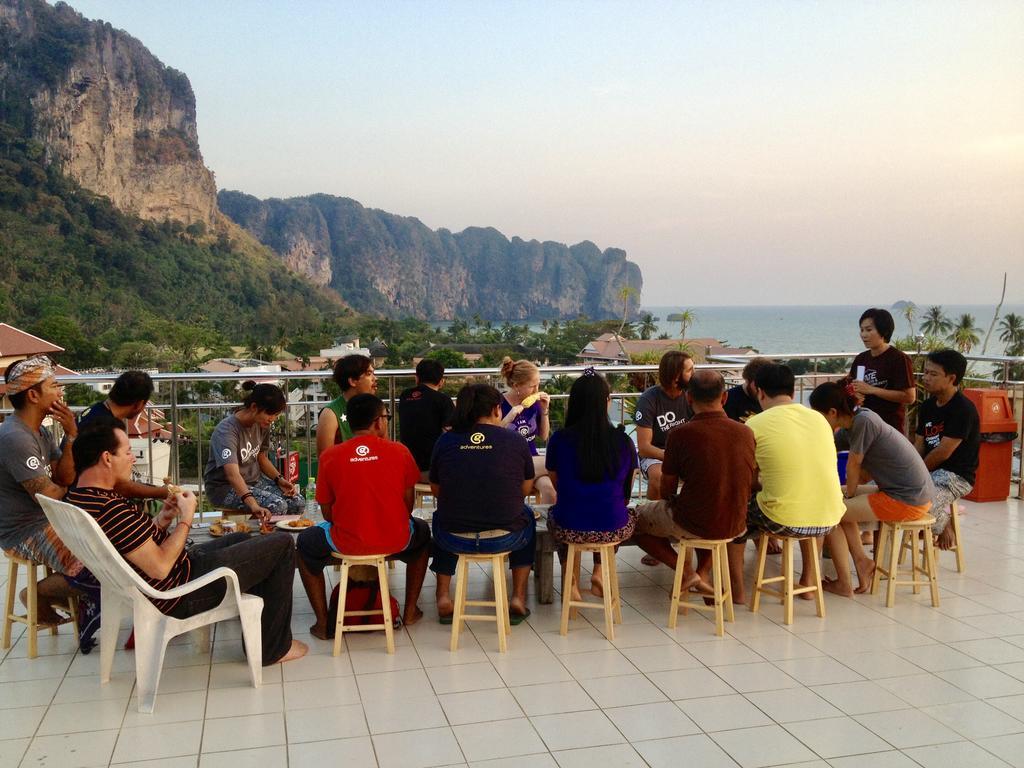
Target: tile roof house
608, 349
16, 345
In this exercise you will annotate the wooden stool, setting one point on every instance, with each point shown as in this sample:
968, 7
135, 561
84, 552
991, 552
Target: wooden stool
29, 619
722, 607
422, 490
957, 546
895, 534
377, 561
571, 575
499, 604
788, 592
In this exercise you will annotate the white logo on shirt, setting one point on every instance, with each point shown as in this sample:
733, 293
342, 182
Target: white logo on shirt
33, 463
226, 453
248, 452
667, 420
639, 415
362, 450
524, 430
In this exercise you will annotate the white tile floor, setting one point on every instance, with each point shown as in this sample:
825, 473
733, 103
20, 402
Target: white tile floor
911, 686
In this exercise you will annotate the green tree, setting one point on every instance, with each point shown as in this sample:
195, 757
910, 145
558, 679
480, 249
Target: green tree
935, 322
686, 319
449, 358
909, 311
136, 355
648, 325
964, 334
1011, 329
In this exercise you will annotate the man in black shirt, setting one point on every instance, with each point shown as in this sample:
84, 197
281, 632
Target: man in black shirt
424, 413
947, 436
127, 399
741, 402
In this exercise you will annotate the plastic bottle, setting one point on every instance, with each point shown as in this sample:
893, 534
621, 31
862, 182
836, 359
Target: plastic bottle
311, 506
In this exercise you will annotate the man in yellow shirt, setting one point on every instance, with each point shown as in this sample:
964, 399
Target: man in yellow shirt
796, 457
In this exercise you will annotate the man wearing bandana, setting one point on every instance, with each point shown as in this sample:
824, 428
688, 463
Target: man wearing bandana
32, 462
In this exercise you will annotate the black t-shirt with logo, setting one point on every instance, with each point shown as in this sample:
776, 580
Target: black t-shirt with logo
423, 413
890, 370
481, 474
739, 405
959, 419
661, 413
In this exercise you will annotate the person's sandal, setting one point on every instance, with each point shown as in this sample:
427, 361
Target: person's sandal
515, 619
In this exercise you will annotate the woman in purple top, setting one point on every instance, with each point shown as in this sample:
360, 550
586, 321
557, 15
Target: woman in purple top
529, 420
592, 464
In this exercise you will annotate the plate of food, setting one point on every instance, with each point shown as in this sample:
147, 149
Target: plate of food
223, 527
296, 524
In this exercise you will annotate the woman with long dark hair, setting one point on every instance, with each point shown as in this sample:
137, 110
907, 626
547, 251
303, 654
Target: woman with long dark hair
239, 474
591, 464
904, 486
479, 474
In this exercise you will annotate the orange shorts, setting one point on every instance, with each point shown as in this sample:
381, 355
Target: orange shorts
890, 510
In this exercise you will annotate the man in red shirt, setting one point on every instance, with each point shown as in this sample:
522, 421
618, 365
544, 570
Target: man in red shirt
365, 487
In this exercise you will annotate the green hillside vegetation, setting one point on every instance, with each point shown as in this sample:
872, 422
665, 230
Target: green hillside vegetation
79, 272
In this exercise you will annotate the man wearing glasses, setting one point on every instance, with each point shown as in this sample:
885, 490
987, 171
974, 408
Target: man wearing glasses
365, 487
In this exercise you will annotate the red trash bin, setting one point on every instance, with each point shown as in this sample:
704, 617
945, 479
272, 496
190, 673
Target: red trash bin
995, 454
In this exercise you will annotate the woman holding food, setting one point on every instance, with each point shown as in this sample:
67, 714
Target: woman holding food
240, 474
524, 409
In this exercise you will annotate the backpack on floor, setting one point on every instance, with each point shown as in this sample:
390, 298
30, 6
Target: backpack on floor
361, 596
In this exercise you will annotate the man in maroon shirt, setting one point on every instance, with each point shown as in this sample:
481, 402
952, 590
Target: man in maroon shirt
712, 457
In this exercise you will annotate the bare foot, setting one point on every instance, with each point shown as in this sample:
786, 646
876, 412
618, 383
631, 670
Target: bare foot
704, 588
319, 631
517, 607
833, 586
44, 612
946, 539
865, 574
690, 580
445, 607
596, 587
650, 560
806, 595
774, 547
739, 599
297, 651
411, 617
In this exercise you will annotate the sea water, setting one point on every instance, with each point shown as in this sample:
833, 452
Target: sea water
796, 329
775, 330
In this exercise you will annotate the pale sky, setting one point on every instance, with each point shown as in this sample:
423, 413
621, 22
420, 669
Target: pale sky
740, 152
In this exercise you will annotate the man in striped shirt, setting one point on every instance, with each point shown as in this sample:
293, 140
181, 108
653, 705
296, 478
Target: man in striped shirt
265, 565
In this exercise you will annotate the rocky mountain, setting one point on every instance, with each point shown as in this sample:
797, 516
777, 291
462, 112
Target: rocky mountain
380, 262
105, 110
91, 103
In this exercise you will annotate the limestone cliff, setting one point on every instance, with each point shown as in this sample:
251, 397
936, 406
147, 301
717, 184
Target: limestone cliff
105, 110
395, 265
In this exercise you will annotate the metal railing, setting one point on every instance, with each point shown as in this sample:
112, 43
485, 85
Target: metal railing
191, 414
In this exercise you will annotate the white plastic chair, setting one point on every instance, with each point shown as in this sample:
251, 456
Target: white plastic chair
122, 588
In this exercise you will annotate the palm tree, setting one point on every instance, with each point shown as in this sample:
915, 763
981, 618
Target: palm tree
1011, 330
648, 325
909, 310
935, 322
686, 318
964, 334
